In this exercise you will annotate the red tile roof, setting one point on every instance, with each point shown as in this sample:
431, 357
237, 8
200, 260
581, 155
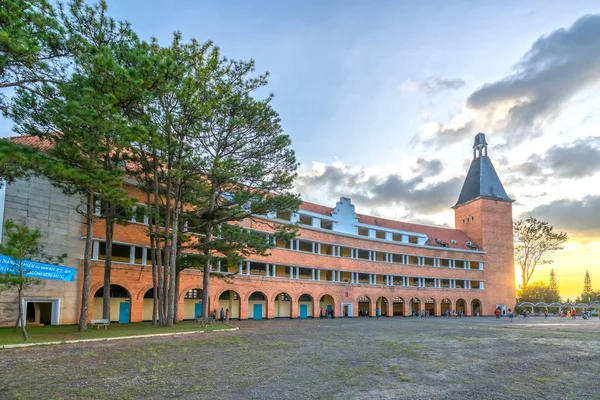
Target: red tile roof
446, 235
32, 141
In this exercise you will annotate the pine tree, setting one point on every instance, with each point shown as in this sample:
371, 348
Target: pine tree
587, 287
88, 112
553, 285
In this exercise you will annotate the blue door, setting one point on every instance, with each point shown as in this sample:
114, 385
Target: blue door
303, 310
197, 310
124, 308
258, 311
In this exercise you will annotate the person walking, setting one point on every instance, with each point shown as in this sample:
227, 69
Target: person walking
377, 313
222, 315
227, 316
214, 314
510, 315
546, 314
321, 314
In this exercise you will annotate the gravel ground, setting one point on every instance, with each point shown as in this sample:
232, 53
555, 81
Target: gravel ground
360, 358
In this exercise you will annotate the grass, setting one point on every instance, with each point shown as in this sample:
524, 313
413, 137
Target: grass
40, 334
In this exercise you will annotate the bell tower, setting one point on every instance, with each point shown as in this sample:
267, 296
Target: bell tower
484, 212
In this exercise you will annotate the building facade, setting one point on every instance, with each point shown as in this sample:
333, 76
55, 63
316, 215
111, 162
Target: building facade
342, 261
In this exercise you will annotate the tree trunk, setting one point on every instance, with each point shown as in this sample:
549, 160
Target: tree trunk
206, 273
173, 257
110, 226
87, 263
157, 243
176, 304
21, 318
153, 255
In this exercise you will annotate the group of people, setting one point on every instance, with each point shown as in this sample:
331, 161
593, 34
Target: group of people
454, 313
572, 314
223, 315
325, 313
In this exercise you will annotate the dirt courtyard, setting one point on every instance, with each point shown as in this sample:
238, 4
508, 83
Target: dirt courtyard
359, 358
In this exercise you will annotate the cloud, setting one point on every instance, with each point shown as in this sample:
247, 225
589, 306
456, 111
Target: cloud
378, 191
556, 68
432, 85
428, 167
576, 217
578, 159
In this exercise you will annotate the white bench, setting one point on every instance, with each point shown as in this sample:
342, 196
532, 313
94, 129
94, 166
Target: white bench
100, 322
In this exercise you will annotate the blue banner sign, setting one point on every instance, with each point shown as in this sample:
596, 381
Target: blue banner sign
36, 269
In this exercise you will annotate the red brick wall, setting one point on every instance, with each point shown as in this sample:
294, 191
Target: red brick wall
491, 229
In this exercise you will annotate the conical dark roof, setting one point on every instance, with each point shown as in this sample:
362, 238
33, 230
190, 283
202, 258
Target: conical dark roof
482, 181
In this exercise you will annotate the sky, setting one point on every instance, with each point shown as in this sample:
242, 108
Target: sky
382, 101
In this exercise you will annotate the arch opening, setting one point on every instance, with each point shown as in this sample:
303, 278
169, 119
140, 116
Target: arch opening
283, 305
305, 306
398, 306
257, 305
120, 304
230, 300
364, 306
415, 307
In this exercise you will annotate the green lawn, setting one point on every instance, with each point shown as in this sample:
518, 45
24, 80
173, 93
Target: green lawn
69, 332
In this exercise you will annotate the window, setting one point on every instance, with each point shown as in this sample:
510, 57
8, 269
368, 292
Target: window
227, 295
396, 237
326, 224
444, 262
305, 246
304, 273
283, 297
460, 284
413, 281
413, 239
428, 261
363, 299
286, 216
429, 282
140, 215
305, 219
445, 283
363, 231
345, 252
363, 278
258, 269
475, 285
459, 264
362, 254
413, 260
398, 281
120, 252
116, 291
138, 254
305, 297
396, 258
283, 243
327, 249
380, 234
257, 296
398, 300
378, 256
148, 256
194, 294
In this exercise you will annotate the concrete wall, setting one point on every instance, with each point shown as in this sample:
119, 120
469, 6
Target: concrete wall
38, 205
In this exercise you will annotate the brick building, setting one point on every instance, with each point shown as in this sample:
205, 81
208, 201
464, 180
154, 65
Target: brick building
350, 263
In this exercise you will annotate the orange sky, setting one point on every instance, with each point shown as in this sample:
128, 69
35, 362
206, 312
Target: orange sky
570, 265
